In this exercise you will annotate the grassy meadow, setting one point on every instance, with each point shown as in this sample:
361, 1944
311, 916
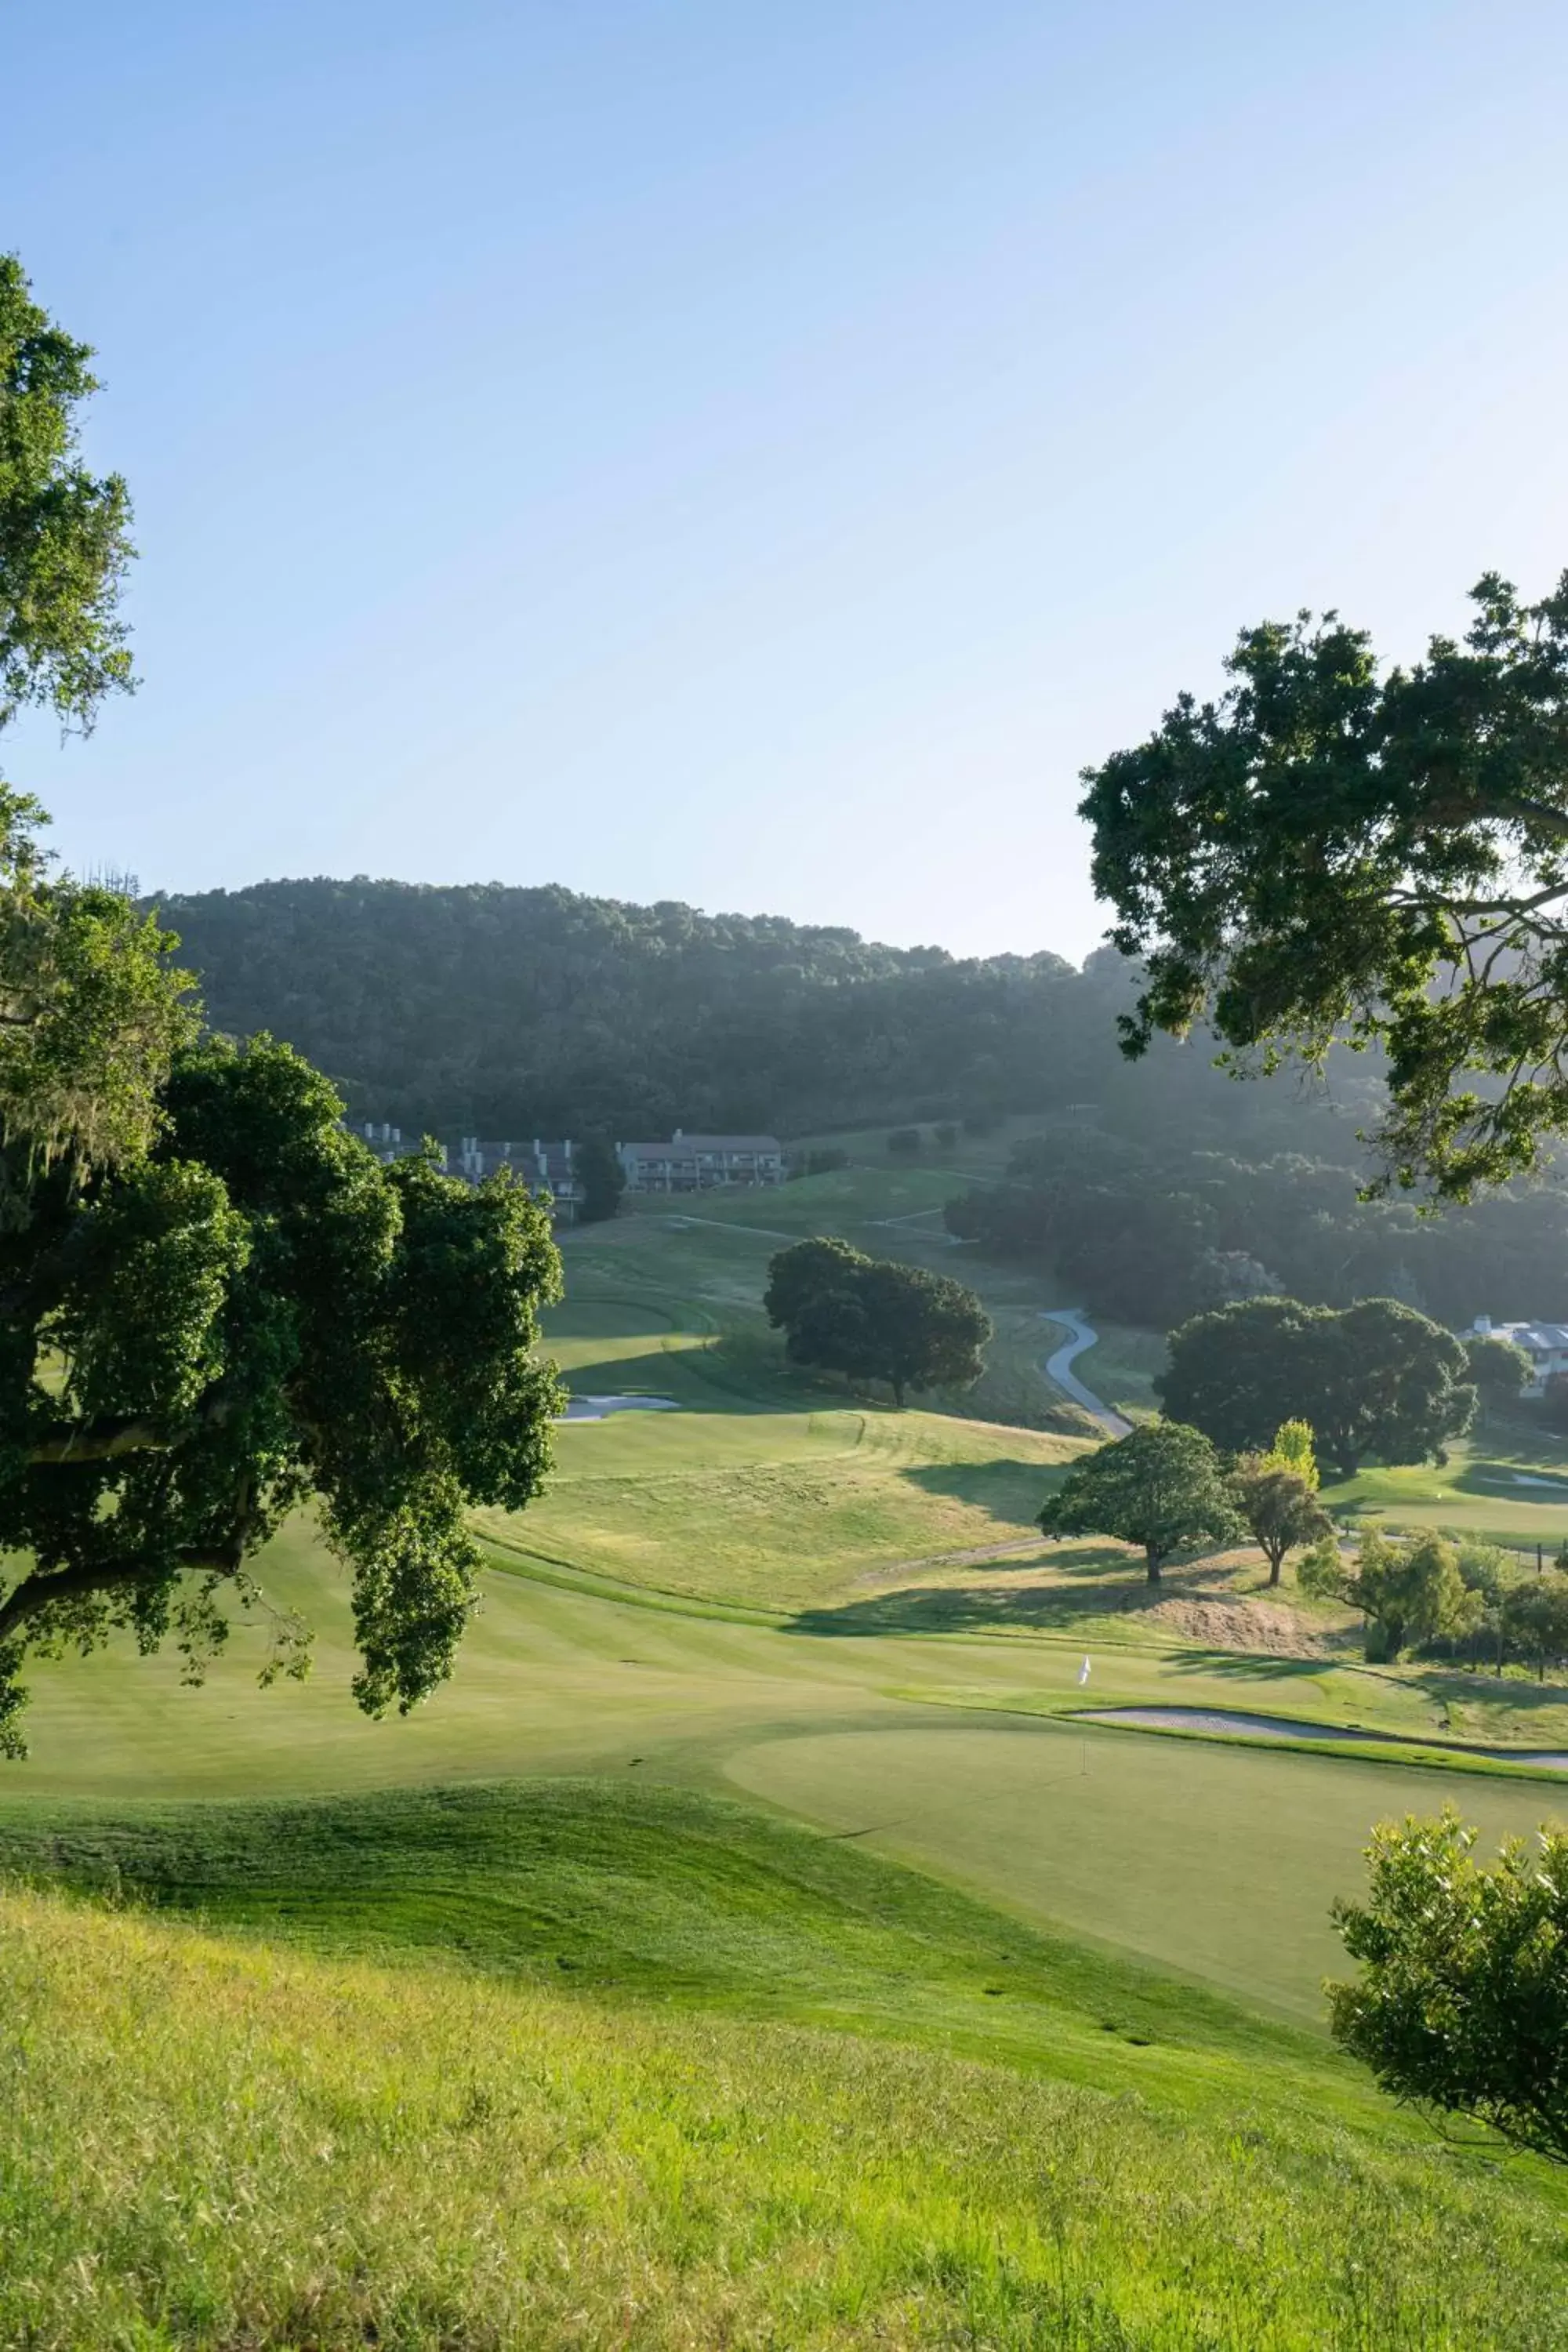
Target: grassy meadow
210, 2141
747, 1946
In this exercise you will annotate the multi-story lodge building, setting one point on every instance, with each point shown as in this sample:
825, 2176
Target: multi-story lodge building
703, 1163
387, 1142
542, 1167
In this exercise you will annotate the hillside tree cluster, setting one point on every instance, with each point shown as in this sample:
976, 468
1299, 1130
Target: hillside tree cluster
1152, 1233
875, 1318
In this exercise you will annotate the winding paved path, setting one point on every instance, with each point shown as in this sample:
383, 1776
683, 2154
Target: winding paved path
1059, 1368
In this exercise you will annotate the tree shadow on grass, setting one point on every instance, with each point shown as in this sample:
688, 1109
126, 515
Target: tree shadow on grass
1461, 1682
1247, 1665
970, 1609
1012, 1491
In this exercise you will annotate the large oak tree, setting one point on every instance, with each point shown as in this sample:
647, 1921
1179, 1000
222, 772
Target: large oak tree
1161, 1488
214, 1302
1374, 1379
1326, 850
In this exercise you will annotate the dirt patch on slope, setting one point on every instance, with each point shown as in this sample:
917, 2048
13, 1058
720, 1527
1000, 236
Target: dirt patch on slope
1261, 1626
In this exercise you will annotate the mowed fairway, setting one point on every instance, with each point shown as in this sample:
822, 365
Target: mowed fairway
766, 1486
1215, 1860
729, 1597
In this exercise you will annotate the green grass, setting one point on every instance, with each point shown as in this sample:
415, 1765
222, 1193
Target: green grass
774, 1963
1215, 1861
265, 2150
767, 1486
1121, 1367
1508, 1484
656, 1893
706, 1258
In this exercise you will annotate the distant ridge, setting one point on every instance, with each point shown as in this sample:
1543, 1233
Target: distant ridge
494, 1008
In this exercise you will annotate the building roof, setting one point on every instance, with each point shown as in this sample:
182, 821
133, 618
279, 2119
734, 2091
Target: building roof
1537, 1338
682, 1145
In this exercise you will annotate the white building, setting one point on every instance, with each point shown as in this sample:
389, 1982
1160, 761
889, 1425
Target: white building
1546, 1345
701, 1164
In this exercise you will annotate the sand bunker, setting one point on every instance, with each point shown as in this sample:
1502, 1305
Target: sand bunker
599, 1408
1287, 1726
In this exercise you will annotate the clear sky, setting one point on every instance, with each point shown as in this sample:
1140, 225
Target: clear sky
756, 454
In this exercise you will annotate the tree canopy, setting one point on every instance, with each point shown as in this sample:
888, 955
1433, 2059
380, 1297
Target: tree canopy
1409, 1593
1163, 1488
1231, 1206
1278, 1507
1499, 1370
1373, 1379
215, 1304
876, 1318
602, 1177
1461, 2006
64, 531
1327, 852
255, 1313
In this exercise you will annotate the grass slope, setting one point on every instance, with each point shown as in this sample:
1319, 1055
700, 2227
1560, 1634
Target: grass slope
265, 2148
665, 1894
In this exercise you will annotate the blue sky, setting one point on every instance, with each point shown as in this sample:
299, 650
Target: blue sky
757, 454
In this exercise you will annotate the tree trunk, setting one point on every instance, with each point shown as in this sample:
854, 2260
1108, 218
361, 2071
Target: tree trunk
1152, 1559
899, 1395
1276, 1562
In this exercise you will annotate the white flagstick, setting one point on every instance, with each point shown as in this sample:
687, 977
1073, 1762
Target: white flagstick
1083, 1736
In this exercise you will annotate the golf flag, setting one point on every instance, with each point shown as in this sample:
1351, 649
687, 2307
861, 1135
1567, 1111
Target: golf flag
1083, 1673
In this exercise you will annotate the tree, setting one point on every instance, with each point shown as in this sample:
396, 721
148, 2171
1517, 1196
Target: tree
87, 1015
1409, 1592
1161, 1488
921, 1330
1484, 1570
905, 1142
799, 1277
1323, 852
253, 1313
1293, 1449
214, 1302
64, 532
1321, 1574
1536, 1614
1554, 1400
602, 1177
875, 1318
1498, 1372
1461, 2007
1389, 1382
1375, 1378
1279, 1506
1239, 1372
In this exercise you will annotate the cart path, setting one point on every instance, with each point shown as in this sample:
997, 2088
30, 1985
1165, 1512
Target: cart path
1059, 1368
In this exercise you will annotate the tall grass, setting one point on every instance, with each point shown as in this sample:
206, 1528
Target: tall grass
205, 2144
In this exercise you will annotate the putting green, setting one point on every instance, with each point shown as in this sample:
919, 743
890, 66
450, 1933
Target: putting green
1218, 1862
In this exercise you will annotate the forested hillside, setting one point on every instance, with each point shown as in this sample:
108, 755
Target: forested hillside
1154, 1232
1156, 1188
510, 1011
